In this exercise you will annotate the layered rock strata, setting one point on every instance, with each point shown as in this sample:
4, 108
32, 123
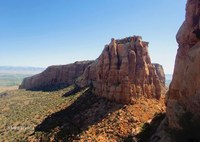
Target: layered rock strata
53, 76
124, 72
184, 91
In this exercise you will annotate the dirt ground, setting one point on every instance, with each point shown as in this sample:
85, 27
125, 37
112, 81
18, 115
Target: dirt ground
8, 88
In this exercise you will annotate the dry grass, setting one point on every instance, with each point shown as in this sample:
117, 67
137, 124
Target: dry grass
22, 110
80, 116
8, 88
91, 118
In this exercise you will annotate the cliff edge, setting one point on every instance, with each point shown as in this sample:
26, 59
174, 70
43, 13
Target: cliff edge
55, 76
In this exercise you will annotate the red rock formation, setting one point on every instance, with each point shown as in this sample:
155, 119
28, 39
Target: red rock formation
55, 76
160, 73
184, 91
123, 72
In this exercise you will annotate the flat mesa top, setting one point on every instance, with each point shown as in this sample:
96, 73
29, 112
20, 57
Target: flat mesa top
129, 40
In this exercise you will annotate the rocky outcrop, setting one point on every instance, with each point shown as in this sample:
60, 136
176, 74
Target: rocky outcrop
160, 73
55, 76
184, 91
124, 72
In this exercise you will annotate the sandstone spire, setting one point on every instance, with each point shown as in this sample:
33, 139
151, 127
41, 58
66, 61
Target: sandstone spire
124, 72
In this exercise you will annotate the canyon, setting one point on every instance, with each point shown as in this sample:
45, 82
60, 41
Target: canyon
124, 74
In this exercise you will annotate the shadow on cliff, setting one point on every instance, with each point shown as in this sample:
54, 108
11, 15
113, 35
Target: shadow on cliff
67, 124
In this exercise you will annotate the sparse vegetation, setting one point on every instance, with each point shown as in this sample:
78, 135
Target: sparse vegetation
70, 114
22, 110
7, 88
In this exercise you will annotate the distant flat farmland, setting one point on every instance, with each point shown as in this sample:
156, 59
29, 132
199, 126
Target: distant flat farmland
7, 88
12, 77
7, 80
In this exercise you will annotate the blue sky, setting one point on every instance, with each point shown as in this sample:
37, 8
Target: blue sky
50, 32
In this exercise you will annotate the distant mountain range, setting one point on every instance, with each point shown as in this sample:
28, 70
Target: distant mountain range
20, 70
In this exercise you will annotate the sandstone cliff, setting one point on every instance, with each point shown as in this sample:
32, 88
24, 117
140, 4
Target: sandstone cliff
124, 72
184, 91
160, 73
183, 97
55, 76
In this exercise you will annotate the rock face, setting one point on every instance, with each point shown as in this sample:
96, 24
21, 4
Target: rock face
55, 76
160, 73
124, 72
184, 91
